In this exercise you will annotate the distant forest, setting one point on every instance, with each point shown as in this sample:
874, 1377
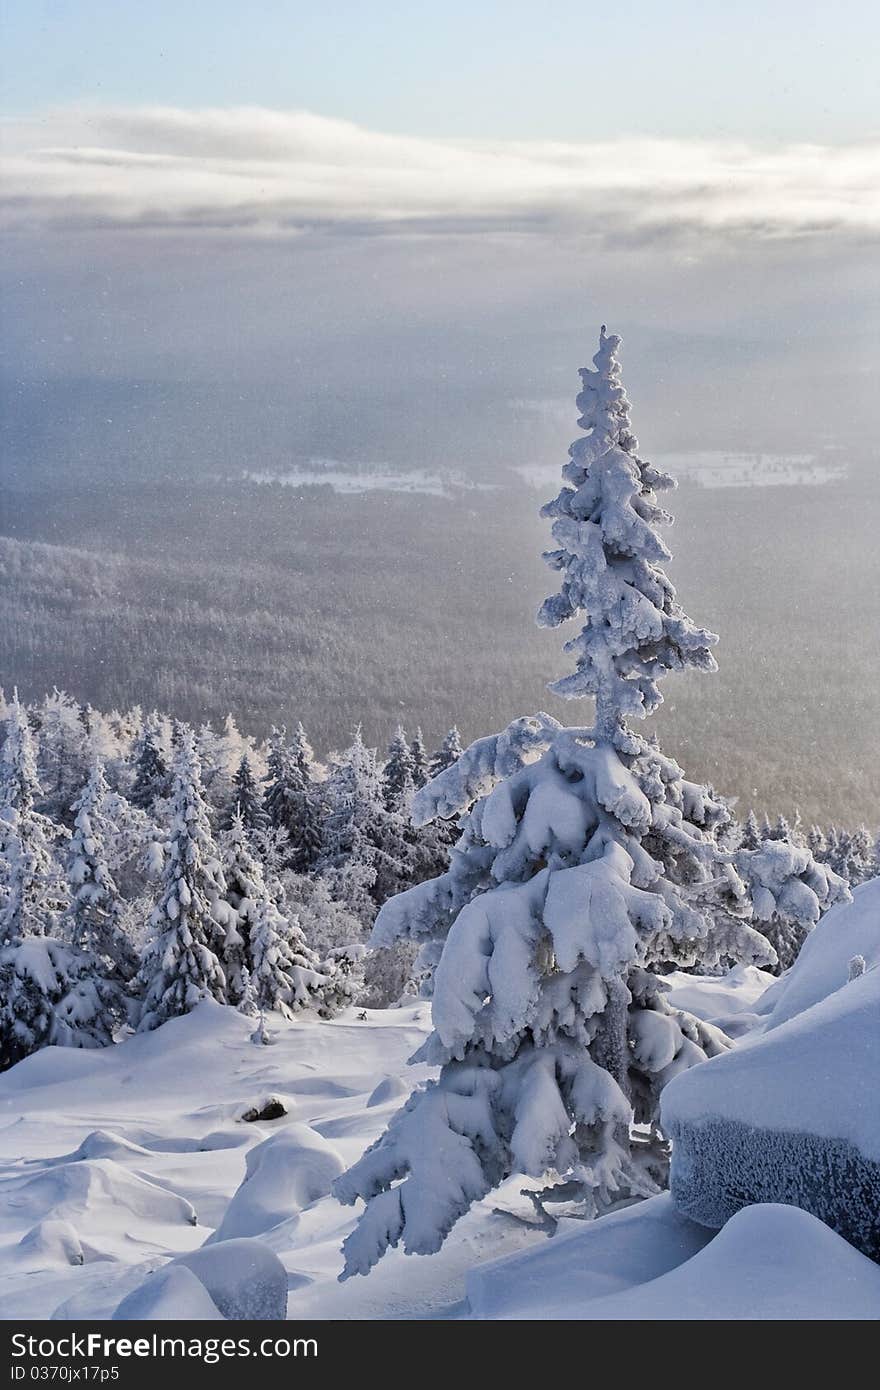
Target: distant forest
280, 604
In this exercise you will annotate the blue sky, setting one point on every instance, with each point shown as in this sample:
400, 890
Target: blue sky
567, 69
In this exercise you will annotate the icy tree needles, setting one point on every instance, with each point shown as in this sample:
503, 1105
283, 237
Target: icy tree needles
586, 862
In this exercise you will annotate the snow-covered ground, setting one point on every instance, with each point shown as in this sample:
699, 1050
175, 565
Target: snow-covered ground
107, 1158
106, 1155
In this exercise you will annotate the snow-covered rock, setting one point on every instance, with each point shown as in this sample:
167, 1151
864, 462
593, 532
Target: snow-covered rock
285, 1173
793, 1115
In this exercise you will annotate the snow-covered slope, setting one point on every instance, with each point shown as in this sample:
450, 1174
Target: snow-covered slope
106, 1156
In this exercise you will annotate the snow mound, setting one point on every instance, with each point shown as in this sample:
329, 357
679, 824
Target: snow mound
390, 1088
582, 1262
846, 931
244, 1278
84, 1189
288, 1171
719, 999
173, 1294
770, 1263
50, 1243
102, 1143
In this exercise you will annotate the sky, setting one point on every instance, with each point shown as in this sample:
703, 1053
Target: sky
504, 69
404, 219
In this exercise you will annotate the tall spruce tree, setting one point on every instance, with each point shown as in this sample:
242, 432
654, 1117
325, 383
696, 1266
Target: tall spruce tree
181, 964
420, 759
366, 855
52, 991
586, 864
152, 781
450, 751
399, 773
33, 891
96, 905
293, 799
269, 965
246, 800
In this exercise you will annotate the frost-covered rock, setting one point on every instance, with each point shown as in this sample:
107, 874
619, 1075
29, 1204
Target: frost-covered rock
285, 1173
794, 1115
172, 1294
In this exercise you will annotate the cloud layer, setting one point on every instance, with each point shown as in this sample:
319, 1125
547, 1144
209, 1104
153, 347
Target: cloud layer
275, 173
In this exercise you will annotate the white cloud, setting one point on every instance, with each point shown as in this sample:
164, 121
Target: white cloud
262, 172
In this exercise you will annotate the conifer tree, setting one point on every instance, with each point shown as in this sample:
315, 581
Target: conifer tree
365, 856
399, 774
816, 843
586, 865
181, 965
52, 992
34, 896
63, 754
95, 907
269, 965
293, 801
152, 781
246, 800
450, 751
419, 759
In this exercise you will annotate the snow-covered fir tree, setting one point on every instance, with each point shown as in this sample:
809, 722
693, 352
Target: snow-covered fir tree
365, 855
34, 896
816, 843
246, 800
269, 964
52, 991
586, 864
450, 751
399, 773
152, 780
95, 908
751, 832
181, 964
293, 800
420, 760
63, 754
